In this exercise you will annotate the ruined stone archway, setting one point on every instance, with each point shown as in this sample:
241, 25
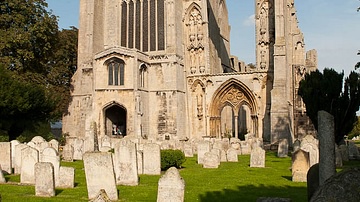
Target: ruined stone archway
115, 119
236, 95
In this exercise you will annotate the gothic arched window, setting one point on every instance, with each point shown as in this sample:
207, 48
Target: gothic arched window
143, 75
116, 72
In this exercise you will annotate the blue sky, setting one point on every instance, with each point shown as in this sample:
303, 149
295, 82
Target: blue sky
332, 27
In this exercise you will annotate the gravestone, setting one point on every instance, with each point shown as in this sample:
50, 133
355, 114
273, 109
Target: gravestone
151, 159
310, 144
68, 153
257, 157
211, 160
296, 145
235, 143
245, 148
13, 144
188, 149
54, 144
353, 151
99, 171
39, 143
125, 163
44, 179
101, 197
67, 176
312, 180
5, 157
223, 157
50, 155
139, 160
343, 186
338, 157
283, 148
232, 155
18, 157
2, 177
300, 165
171, 187
344, 152
326, 134
203, 147
106, 141
78, 145
29, 157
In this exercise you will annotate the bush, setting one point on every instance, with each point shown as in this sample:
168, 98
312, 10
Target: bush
172, 158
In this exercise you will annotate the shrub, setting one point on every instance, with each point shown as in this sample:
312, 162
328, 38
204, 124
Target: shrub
172, 158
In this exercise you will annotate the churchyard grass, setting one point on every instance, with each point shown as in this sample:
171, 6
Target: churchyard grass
232, 181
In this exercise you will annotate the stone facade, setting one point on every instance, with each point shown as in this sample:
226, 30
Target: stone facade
154, 69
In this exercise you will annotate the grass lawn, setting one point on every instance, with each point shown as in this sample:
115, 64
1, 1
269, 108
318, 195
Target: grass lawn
230, 182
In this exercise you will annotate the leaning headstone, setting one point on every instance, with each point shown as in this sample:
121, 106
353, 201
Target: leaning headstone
343, 186
203, 147
139, 160
300, 165
257, 157
171, 187
68, 153
50, 155
125, 163
232, 155
44, 179
152, 159
312, 180
29, 157
2, 178
78, 149
310, 144
18, 157
283, 148
5, 157
211, 160
13, 144
326, 134
99, 171
101, 197
67, 176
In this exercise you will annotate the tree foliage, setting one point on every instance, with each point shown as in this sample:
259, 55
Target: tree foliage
38, 61
326, 91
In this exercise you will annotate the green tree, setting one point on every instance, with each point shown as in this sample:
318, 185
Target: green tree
326, 91
33, 52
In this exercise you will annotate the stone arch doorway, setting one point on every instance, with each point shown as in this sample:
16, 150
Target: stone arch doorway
233, 111
115, 120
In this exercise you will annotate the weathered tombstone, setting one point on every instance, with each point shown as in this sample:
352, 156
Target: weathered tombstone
343, 186
66, 179
68, 153
171, 187
232, 155
106, 141
44, 179
326, 133
211, 160
101, 197
245, 148
344, 152
5, 157
236, 144
50, 155
139, 160
18, 157
29, 157
223, 157
203, 147
54, 144
310, 144
151, 159
13, 144
312, 180
188, 150
125, 163
39, 143
296, 145
78, 149
257, 157
99, 171
300, 165
2, 178
283, 148
353, 151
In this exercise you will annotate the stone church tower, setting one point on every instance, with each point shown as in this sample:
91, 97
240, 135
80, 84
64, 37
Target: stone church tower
155, 68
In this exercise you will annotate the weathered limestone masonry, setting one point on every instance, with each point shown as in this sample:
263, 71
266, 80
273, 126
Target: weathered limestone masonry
162, 68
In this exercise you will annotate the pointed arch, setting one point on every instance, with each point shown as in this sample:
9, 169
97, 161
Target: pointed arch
115, 119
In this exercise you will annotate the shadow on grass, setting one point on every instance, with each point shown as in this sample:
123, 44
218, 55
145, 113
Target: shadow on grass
252, 193
58, 191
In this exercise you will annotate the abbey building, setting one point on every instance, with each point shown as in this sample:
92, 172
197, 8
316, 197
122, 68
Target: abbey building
162, 68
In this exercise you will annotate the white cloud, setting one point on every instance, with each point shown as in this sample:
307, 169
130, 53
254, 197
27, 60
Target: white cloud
250, 21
